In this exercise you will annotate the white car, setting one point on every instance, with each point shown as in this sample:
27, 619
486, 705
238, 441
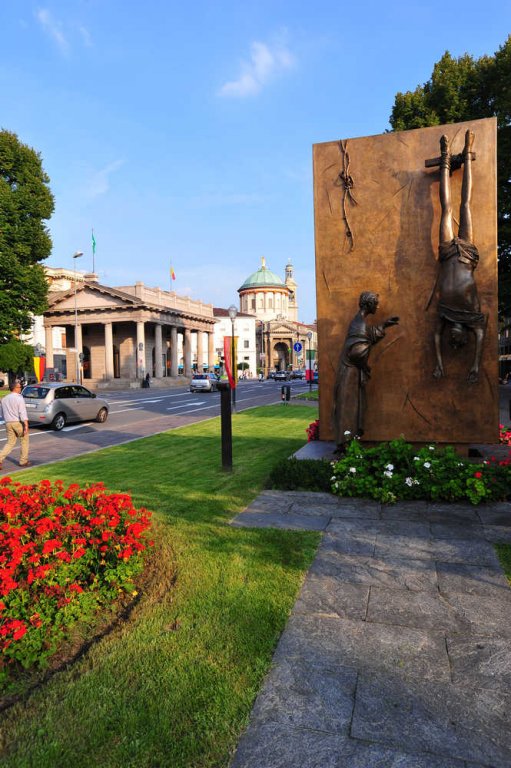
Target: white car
55, 404
204, 382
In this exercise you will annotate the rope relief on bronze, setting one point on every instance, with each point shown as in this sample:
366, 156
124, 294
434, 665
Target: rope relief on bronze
345, 180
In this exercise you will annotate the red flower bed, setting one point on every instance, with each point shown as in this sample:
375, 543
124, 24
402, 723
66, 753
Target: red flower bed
313, 431
504, 434
63, 553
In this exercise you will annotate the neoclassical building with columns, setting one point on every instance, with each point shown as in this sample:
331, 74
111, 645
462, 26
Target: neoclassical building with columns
121, 334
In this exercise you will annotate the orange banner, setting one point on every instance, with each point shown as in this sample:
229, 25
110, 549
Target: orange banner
39, 367
229, 368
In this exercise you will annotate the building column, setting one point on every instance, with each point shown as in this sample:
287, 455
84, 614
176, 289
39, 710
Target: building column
173, 351
200, 351
211, 352
158, 347
187, 353
48, 332
140, 349
109, 351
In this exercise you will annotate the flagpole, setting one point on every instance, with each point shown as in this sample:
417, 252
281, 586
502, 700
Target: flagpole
93, 251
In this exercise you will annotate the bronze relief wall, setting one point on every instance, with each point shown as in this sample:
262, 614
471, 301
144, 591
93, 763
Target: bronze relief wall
377, 223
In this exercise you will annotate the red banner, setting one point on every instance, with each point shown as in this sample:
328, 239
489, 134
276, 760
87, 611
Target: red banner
229, 368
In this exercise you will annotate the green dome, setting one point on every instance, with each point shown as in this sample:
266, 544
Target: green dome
263, 278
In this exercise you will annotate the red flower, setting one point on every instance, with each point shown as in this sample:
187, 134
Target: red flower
478, 475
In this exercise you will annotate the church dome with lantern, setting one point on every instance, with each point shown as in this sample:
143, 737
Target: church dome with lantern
265, 295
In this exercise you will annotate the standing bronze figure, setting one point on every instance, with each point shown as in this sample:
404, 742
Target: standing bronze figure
353, 370
458, 301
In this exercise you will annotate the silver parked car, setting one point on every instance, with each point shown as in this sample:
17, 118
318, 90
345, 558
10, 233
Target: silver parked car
204, 382
57, 403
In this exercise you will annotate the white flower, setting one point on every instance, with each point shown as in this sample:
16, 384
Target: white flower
336, 485
416, 482
388, 473
353, 470
460, 463
347, 432
409, 481
416, 458
333, 479
390, 466
431, 447
427, 464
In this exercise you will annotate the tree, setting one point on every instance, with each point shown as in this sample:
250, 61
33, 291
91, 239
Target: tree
16, 357
468, 89
25, 203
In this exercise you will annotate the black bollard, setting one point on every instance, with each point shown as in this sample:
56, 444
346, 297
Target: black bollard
226, 424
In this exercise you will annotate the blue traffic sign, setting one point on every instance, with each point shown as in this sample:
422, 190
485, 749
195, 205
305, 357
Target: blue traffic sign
297, 346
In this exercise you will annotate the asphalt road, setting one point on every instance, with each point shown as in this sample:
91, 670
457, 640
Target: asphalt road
138, 413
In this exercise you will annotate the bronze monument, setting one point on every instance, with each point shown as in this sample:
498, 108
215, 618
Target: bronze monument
353, 370
377, 214
458, 301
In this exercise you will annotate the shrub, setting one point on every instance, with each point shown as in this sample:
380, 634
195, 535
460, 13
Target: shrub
301, 475
396, 470
63, 554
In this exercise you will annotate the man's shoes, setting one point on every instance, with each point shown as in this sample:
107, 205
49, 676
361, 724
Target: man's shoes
27, 464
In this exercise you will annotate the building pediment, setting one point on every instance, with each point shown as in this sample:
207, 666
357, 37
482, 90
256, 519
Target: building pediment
91, 296
282, 328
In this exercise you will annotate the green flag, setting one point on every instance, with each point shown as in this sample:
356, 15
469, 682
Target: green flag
93, 244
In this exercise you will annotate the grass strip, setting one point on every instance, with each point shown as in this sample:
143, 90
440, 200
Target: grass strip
175, 685
504, 555
312, 395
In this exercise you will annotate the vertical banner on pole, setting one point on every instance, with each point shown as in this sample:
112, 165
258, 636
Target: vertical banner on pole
310, 356
229, 367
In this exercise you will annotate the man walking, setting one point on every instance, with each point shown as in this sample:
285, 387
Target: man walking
14, 413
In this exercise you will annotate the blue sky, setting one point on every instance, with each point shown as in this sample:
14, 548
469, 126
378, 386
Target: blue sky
183, 132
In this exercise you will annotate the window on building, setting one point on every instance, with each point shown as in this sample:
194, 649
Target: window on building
270, 303
246, 343
253, 304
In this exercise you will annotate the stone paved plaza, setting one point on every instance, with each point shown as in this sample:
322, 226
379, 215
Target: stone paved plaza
397, 653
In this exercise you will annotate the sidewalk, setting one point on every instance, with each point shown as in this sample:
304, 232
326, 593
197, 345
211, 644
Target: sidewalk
398, 650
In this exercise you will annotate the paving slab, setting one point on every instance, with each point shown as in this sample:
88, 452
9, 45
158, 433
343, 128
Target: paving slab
347, 642
481, 661
397, 572
325, 595
272, 745
422, 610
280, 520
438, 718
471, 579
308, 695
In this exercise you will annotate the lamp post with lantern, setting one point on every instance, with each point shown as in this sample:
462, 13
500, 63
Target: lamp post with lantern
76, 255
232, 314
309, 336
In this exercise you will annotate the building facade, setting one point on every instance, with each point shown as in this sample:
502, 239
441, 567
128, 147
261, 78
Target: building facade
245, 331
122, 334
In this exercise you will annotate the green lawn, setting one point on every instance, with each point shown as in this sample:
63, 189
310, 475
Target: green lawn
311, 395
175, 685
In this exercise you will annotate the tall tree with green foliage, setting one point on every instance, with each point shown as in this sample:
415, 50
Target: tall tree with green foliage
468, 89
25, 203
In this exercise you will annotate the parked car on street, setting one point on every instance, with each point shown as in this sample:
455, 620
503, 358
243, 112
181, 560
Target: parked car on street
54, 404
281, 376
204, 382
298, 374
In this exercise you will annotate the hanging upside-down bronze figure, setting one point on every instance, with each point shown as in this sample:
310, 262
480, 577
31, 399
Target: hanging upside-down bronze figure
459, 308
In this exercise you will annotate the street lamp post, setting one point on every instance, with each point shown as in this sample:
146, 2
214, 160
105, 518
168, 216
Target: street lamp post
309, 336
77, 358
232, 314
